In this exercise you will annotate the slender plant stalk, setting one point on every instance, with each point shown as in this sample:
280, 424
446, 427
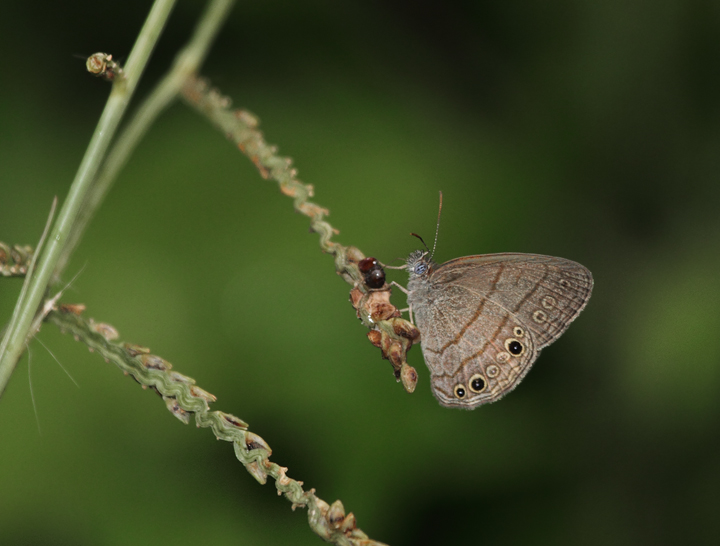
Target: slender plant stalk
186, 63
115, 107
23, 292
184, 399
179, 392
392, 334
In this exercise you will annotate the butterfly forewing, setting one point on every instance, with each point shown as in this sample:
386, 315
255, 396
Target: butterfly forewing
544, 292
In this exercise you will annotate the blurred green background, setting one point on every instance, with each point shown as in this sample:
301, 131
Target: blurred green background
588, 130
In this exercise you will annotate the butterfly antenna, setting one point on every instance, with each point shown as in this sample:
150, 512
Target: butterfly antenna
421, 240
437, 228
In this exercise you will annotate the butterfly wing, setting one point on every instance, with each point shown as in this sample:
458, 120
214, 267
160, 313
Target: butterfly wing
484, 320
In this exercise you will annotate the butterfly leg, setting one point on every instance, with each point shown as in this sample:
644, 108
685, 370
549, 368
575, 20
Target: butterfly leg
407, 309
401, 287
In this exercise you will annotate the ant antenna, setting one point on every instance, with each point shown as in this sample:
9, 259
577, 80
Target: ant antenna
437, 229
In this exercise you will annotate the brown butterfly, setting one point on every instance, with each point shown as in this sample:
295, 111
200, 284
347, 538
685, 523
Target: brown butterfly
484, 319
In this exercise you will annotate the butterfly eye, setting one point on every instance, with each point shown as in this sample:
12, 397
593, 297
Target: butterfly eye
519, 332
514, 347
460, 391
477, 383
421, 268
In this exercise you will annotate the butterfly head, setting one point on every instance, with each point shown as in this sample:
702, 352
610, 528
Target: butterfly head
418, 264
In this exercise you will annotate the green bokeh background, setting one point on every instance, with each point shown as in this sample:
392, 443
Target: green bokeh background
588, 130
